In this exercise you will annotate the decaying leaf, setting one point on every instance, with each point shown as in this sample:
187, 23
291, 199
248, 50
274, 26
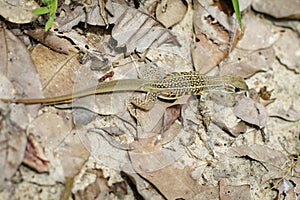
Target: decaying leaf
228, 192
280, 110
12, 148
247, 63
265, 164
287, 50
138, 31
51, 40
18, 11
15, 60
62, 147
171, 12
260, 153
250, 111
70, 16
99, 187
213, 38
34, 156
259, 34
56, 70
158, 167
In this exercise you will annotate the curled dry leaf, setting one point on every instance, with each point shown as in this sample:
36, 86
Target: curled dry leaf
213, 38
250, 111
171, 12
278, 8
171, 114
90, 14
34, 156
19, 12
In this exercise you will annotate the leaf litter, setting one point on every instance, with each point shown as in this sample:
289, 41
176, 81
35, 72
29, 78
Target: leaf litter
171, 150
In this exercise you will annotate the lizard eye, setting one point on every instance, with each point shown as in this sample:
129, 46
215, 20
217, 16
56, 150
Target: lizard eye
237, 90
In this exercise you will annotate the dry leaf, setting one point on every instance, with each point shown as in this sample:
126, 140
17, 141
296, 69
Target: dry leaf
72, 14
56, 70
158, 167
228, 192
19, 12
138, 31
213, 38
12, 148
64, 149
287, 50
17, 66
289, 114
273, 160
50, 40
250, 111
34, 155
259, 34
171, 12
278, 8
247, 63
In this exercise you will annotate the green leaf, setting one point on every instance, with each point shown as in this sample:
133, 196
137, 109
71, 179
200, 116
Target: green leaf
236, 7
53, 7
49, 23
41, 11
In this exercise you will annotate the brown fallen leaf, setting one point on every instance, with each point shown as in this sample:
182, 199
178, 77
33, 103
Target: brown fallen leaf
212, 38
289, 114
17, 66
74, 13
158, 167
56, 70
50, 40
171, 114
63, 148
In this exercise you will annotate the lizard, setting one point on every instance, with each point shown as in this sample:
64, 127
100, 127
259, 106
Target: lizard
171, 86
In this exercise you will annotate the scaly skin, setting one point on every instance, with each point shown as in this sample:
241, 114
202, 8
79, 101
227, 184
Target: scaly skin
171, 86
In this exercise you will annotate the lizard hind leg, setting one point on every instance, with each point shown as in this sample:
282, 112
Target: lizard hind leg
142, 103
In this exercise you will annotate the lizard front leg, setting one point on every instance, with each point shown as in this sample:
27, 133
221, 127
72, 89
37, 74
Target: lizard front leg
142, 103
204, 111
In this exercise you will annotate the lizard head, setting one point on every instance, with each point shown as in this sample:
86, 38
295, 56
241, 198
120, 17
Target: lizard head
234, 84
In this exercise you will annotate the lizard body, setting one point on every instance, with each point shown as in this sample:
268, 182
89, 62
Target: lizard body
171, 86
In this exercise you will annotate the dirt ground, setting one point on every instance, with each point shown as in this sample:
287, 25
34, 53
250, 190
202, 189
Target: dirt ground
93, 148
